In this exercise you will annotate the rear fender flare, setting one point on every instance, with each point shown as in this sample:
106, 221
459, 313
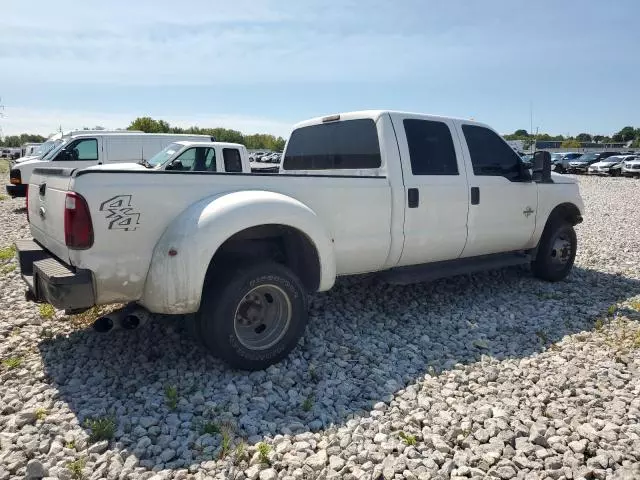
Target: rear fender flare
182, 255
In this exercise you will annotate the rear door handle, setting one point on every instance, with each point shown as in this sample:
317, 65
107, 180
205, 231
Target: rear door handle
413, 197
475, 195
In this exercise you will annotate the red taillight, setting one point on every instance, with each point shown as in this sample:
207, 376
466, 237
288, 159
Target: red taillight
78, 230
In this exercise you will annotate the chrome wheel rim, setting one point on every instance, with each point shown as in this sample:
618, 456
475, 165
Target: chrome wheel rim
262, 317
561, 250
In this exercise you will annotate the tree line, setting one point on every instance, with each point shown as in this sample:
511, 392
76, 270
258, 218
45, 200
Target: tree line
254, 141
14, 141
626, 134
150, 125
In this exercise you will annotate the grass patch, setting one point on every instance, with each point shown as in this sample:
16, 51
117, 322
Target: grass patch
225, 445
408, 438
171, 396
103, 428
4, 166
41, 413
12, 362
46, 310
3, 197
598, 325
7, 253
611, 311
76, 467
71, 445
240, 453
307, 405
264, 449
636, 305
211, 428
7, 269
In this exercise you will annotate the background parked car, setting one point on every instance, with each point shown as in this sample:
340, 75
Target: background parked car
631, 167
609, 166
562, 164
581, 164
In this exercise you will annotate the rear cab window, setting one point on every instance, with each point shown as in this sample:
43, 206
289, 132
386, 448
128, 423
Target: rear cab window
431, 147
232, 160
341, 145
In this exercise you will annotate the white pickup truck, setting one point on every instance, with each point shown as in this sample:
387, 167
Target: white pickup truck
412, 197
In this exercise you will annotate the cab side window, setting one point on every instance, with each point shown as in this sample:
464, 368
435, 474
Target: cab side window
490, 155
232, 161
80, 150
196, 159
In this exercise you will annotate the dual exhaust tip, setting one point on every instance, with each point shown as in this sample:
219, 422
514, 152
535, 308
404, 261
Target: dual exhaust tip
125, 319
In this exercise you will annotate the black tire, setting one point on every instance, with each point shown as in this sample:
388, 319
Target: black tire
552, 263
266, 299
615, 173
560, 169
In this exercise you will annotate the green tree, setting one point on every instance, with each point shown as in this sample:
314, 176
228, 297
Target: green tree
14, 141
149, 125
571, 143
583, 137
521, 133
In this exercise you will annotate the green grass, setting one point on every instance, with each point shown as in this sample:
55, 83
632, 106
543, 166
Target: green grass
41, 413
599, 324
76, 468
171, 396
636, 305
71, 445
7, 253
103, 428
240, 453
46, 310
4, 166
264, 450
3, 197
612, 310
408, 439
210, 428
307, 405
7, 269
12, 362
225, 446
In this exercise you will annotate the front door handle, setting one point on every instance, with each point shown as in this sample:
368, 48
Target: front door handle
413, 197
475, 195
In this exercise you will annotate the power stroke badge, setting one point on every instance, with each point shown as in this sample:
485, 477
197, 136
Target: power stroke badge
120, 213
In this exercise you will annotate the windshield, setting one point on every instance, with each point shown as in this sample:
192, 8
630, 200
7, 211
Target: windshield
165, 154
587, 157
43, 149
55, 148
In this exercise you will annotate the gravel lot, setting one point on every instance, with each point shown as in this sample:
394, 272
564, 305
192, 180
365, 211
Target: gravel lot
495, 375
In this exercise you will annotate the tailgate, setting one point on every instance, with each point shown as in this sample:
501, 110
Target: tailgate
47, 191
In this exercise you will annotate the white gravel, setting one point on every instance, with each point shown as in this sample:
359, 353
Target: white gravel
495, 375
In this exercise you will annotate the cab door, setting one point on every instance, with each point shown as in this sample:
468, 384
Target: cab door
503, 201
80, 153
435, 189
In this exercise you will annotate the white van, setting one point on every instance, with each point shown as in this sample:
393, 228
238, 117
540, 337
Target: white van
29, 149
56, 139
85, 149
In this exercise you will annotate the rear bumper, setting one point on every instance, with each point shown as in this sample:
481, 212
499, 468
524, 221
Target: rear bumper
17, 190
52, 281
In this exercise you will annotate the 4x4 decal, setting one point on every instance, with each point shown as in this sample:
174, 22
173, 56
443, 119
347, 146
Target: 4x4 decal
120, 213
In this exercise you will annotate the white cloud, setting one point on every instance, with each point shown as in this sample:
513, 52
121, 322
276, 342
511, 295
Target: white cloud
44, 122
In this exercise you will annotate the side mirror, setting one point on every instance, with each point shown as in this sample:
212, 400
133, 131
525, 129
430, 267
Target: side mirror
175, 165
542, 167
63, 155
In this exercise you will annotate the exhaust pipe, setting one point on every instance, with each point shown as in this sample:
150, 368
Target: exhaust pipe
127, 319
103, 324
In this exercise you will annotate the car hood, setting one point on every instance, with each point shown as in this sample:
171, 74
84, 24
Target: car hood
558, 178
605, 163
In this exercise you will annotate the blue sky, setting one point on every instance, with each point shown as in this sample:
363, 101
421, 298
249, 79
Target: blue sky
262, 65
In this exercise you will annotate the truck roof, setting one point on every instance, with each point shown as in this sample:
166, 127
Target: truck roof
375, 114
191, 143
125, 133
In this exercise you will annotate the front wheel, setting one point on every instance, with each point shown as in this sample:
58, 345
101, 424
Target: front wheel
556, 251
254, 316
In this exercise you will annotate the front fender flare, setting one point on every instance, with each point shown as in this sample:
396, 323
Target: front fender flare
174, 282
